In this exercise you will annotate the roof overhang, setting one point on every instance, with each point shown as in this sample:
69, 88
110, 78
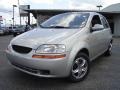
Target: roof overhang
52, 12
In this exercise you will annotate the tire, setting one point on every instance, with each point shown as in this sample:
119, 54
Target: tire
14, 35
80, 68
109, 50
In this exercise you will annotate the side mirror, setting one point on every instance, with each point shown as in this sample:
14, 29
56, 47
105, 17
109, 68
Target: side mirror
97, 27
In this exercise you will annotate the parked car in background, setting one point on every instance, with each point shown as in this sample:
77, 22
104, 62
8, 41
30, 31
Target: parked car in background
21, 29
1, 31
4, 31
62, 46
28, 28
11, 29
18, 30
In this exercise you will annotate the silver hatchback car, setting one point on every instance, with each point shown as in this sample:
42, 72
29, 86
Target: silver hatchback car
62, 46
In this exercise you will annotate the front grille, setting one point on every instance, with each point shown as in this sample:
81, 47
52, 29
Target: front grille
21, 49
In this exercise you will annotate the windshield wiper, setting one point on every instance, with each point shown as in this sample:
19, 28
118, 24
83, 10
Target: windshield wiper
58, 27
53, 26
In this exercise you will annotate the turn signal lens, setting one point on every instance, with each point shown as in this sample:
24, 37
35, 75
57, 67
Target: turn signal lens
49, 56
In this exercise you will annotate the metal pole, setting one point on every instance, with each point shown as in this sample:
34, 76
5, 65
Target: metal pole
19, 10
99, 7
13, 16
28, 15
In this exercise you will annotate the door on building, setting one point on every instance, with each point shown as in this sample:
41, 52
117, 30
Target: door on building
112, 27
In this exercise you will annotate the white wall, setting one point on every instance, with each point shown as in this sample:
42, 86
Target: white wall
117, 25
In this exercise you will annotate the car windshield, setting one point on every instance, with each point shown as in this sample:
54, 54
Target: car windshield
66, 20
12, 27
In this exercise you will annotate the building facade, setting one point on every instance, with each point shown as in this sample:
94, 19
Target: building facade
112, 13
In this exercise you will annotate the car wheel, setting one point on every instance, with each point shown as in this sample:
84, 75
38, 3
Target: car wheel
80, 68
109, 50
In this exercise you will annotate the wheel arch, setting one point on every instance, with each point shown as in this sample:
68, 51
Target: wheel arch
72, 58
83, 50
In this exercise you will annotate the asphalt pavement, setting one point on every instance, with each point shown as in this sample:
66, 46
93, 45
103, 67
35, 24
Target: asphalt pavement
104, 74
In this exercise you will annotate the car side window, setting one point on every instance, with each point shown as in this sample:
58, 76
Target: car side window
105, 23
96, 20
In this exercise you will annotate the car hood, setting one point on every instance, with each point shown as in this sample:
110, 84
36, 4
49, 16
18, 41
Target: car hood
39, 36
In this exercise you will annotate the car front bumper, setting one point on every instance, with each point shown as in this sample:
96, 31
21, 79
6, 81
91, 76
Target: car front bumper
39, 67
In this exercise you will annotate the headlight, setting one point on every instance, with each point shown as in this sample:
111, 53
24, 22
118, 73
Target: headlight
51, 48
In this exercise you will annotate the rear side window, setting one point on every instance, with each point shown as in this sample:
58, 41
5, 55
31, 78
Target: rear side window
96, 20
105, 23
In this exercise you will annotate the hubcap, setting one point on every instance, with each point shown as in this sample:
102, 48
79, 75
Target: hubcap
79, 68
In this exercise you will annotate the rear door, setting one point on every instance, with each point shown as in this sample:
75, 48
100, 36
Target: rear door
107, 34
